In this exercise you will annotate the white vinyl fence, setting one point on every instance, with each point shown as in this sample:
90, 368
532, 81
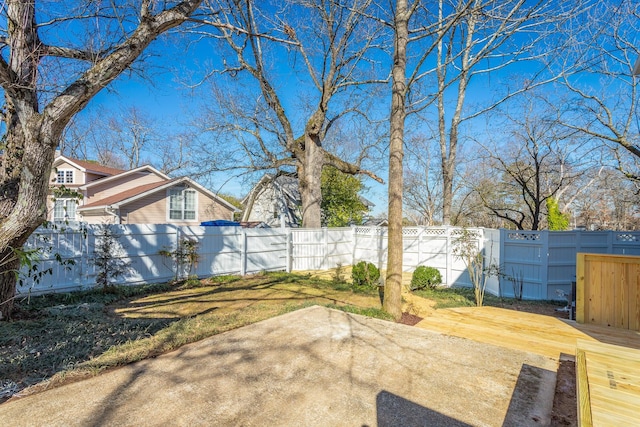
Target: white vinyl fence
235, 250
545, 260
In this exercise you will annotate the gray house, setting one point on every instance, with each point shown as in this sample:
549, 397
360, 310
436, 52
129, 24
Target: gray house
274, 200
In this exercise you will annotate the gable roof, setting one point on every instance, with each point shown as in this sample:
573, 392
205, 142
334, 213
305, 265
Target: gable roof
145, 190
129, 195
86, 166
123, 174
284, 183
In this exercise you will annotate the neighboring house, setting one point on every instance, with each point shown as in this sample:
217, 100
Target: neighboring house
86, 191
274, 200
376, 222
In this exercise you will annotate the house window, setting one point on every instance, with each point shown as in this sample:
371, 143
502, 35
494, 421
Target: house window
182, 204
65, 176
65, 210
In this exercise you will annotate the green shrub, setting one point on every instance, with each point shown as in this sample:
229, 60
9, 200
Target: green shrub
365, 275
425, 277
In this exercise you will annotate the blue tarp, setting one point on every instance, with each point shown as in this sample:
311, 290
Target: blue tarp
220, 223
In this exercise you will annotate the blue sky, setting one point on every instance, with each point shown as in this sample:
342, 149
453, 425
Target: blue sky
170, 102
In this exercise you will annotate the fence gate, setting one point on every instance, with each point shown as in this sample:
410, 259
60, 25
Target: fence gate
608, 290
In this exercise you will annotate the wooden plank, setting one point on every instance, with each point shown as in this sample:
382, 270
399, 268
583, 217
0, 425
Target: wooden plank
620, 302
581, 308
612, 375
632, 354
582, 387
634, 298
545, 335
628, 374
594, 300
615, 336
609, 418
604, 399
609, 290
622, 259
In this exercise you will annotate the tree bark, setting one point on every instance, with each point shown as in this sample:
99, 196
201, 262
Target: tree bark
393, 284
9, 266
32, 136
310, 171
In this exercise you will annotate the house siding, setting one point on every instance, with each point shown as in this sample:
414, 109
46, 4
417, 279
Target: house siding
147, 210
115, 186
78, 175
153, 210
97, 218
281, 200
210, 209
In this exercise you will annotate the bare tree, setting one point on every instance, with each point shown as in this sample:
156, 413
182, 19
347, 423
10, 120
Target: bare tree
404, 76
46, 80
125, 138
393, 282
541, 161
491, 36
423, 182
611, 203
322, 47
598, 76
132, 133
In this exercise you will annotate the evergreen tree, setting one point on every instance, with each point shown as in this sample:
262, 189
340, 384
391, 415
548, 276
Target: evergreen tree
557, 220
341, 205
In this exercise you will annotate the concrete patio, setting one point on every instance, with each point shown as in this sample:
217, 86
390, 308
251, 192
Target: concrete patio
313, 367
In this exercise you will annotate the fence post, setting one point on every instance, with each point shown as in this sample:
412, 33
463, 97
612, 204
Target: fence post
610, 242
289, 249
243, 252
84, 256
449, 257
325, 249
420, 232
501, 262
354, 244
380, 236
544, 265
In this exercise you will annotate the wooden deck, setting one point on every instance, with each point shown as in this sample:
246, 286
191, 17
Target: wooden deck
544, 335
608, 385
607, 359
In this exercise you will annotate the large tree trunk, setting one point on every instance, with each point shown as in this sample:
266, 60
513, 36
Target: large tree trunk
448, 170
310, 183
393, 283
10, 265
32, 134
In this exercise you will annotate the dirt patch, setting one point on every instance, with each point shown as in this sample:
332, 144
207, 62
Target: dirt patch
565, 410
536, 307
409, 319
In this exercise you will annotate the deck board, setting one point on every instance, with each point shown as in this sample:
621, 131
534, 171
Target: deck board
545, 335
608, 359
612, 375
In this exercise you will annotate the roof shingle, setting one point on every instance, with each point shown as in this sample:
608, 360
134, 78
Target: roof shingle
96, 167
127, 194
